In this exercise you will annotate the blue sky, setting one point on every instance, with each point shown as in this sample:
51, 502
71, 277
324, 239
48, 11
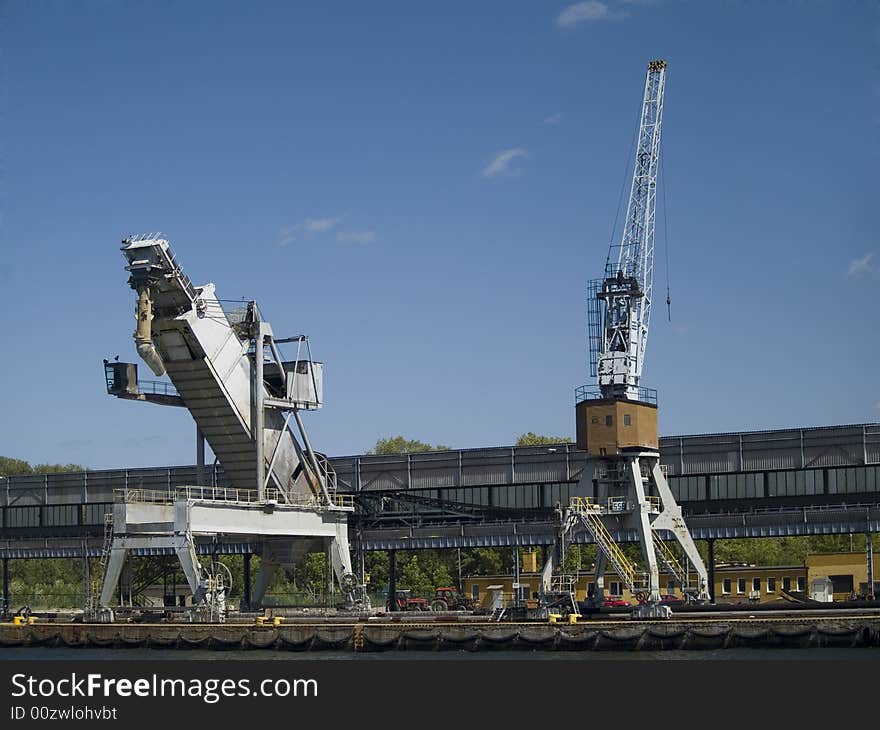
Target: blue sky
425, 189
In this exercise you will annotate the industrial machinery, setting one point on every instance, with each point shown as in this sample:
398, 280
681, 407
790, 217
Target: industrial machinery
617, 424
405, 601
226, 368
450, 599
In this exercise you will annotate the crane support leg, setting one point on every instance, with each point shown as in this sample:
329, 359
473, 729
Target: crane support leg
264, 577
189, 563
549, 569
670, 519
115, 561
599, 578
340, 557
643, 526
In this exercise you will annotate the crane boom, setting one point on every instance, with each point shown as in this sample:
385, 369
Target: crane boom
625, 294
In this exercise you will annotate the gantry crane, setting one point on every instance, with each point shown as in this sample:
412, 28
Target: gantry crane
226, 368
617, 424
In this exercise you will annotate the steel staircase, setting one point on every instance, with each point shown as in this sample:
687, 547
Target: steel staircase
590, 516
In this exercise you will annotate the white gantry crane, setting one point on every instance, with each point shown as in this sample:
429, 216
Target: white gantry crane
617, 424
226, 368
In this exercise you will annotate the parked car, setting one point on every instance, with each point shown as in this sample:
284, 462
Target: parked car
615, 602
669, 598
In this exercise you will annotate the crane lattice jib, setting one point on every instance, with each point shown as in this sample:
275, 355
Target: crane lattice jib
629, 271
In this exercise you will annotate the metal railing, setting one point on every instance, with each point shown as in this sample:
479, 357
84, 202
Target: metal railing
226, 494
204, 494
613, 505
157, 387
583, 504
590, 392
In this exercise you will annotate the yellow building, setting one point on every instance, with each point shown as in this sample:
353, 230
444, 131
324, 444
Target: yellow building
848, 572
734, 583
740, 583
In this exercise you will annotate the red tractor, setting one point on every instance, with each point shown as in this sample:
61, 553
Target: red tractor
406, 602
449, 599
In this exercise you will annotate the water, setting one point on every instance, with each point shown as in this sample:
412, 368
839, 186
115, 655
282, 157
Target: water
870, 654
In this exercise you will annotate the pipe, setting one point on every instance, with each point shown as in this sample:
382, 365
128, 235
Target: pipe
143, 335
259, 419
4, 604
392, 580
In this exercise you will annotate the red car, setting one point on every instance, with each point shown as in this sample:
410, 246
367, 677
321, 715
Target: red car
615, 602
669, 598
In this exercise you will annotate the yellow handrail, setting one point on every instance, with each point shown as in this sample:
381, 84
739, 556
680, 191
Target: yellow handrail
617, 556
583, 504
669, 558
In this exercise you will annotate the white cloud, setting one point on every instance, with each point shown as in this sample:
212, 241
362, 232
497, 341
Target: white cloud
360, 237
553, 118
501, 162
309, 225
862, 265
319, 225
582, 12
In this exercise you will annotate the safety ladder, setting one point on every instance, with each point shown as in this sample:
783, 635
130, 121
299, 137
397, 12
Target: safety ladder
108, 538
358, 637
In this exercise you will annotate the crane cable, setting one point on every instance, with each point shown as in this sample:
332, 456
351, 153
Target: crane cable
665, 230
626, 176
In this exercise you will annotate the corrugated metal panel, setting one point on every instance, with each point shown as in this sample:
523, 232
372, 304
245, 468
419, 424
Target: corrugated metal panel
711, 454
541, 464
439, 469
872, 443
383, 472
22, 491
486, 466
843, 446
777, 450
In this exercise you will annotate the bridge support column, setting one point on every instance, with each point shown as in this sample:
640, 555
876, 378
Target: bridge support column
4, 606
87, 580
517, 592
869, 549
200, 457
392, 580
711, 569
246, 593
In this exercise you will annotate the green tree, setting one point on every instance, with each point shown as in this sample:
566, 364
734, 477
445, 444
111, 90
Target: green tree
14, 467
533, 439
400, 445
481, 561
17, 467
57, 468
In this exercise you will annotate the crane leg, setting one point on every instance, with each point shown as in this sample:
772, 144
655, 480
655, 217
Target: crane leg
111, 575
646, 538
670, 519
